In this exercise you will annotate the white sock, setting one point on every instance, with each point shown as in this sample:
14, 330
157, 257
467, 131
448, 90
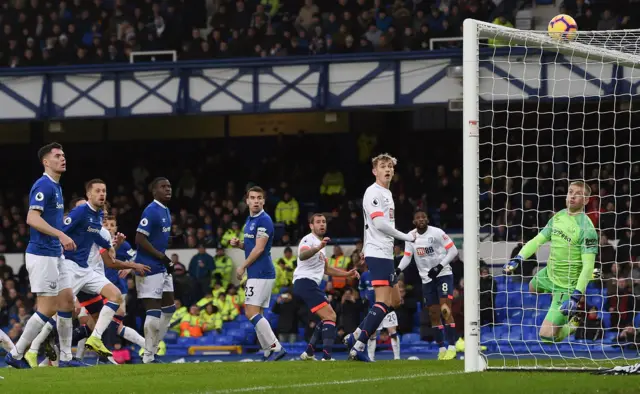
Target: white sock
442, 349
356, 333
30, 332
263, 330
65, 331
451, 347
371, 347
165, 320
6, 342
395, 345
80, 348
359, 346
42, 336
44, 363
132, 336
106, 315
151, 331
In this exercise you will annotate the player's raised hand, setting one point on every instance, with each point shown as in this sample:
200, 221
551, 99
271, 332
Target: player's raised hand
141, 269
324, 242
119, 239
240, 273
570, 306
124, 273
511, 266
67, 242
235, 242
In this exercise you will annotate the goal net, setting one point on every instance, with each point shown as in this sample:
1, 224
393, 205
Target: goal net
541, 112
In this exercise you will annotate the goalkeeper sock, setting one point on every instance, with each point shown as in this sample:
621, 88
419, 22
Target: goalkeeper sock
438, 336
450, 333
328, 338
317, 332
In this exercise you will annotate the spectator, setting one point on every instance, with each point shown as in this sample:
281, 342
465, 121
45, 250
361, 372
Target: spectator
306, 14
281, 277
183, 284
191, 325
488, 290
223, 267
201, 269
340, 261
592, 328
287, 308
231, 233
350, 309
287, 212
211, 319
290, 262
525, 270
6, 272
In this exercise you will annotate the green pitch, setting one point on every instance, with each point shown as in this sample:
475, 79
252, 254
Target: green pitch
397, 377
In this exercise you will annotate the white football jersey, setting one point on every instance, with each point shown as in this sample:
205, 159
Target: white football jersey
95, 260
429, 250
312, 268
377, 201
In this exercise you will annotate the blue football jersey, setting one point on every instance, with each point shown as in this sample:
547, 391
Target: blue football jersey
367, 291
46, 196
255, 227
124, 253
156, 225
83, 225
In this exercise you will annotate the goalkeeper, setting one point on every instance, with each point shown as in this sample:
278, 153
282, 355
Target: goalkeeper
574, 245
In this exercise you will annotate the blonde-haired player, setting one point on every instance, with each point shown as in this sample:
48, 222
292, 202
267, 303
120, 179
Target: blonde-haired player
312, 266
574, 245
379, 235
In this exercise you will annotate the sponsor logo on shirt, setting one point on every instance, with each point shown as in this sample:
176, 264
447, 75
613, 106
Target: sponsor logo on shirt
562, 235
93, 230
590, 242
166, 229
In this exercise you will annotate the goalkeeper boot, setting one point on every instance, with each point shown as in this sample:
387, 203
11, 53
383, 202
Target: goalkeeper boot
31, 358
442, 353
460, 344
95, 344
449, 354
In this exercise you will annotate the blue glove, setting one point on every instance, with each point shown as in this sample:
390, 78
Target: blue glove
569, 307
435, 271
512, 265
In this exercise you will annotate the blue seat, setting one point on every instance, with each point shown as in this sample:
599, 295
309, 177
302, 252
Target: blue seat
501, 300
171, 337
222, 340
187, 341
410, 338
595, 300
232, 325
544, 301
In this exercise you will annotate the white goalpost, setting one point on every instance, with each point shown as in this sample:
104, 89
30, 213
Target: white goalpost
540, 112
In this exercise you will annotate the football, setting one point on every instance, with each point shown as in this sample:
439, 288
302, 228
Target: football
562, 27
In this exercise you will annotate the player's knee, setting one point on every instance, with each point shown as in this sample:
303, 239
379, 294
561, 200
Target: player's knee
547, 332
112, 294
434, 315
445, 310
532, 287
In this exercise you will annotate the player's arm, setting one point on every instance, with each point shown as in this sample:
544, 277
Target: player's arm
236, 243
588, 257
35, 220
263, 233
335, 272
110, 262
142, 241
530, 247
305, 252
382, 224
406, 258
452, 252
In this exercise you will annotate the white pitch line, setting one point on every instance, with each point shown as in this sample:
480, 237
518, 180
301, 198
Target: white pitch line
317, 384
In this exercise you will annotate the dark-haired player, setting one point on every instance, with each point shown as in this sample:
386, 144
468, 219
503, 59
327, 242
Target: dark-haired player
156, 288
43, 259
261, 274
433, 252
312, 265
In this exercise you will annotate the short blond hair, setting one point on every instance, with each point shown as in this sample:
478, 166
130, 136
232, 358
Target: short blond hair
584, 186
383, 157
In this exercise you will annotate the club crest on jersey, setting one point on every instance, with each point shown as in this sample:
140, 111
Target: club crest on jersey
67, 220
252, 227
431, 240
39, 196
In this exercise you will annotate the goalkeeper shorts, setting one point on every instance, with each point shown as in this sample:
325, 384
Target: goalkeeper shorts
543, 284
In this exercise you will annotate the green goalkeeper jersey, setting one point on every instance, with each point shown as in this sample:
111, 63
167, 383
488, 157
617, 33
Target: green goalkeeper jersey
571, 236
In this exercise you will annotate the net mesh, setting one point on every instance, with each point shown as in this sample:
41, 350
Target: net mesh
553, 111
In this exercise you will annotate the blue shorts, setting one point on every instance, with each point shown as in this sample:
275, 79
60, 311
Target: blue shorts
382, 271
441, 287
91, 302
309, 291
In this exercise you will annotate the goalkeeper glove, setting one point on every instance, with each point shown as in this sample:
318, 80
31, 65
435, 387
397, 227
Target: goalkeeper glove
512, 264
570, 306
168, 264
435, 271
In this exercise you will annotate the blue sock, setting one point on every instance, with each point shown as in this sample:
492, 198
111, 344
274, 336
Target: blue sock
317, 331
328, 337
115, 323
79, 333
438, 335
450, 332
372, 321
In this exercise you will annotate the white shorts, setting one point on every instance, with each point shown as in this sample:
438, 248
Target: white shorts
44, 274
389, 321
258, 292
82, 279
152, 286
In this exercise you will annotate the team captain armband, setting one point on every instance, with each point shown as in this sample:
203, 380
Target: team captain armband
262, 233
